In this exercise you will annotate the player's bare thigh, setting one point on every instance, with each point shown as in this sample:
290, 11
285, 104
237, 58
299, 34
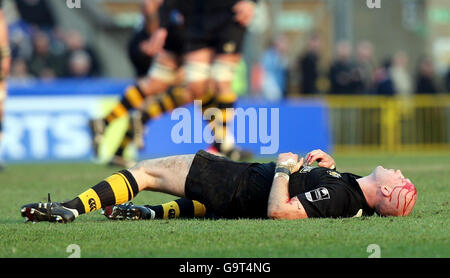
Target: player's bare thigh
167, 174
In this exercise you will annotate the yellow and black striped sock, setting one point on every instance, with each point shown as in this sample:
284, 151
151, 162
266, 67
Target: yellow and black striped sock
175, 97
208, 100
115, 190
224, 102
132, 99
181, 208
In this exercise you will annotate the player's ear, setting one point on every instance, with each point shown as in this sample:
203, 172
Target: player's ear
385, 190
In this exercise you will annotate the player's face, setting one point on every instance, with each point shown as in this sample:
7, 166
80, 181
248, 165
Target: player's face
401, 194
388, 176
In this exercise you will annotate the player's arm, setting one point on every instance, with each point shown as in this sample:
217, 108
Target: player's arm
280, 205
159, 36
323, 159
5, 52
150, 12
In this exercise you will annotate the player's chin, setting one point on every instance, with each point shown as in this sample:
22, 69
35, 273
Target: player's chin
377, 171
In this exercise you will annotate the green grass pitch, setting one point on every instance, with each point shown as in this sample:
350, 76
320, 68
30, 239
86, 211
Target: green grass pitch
426, 233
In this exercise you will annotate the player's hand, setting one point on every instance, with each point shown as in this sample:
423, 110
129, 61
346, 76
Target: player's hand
323, 159
5, 66
244, 11
155, 43
290, 161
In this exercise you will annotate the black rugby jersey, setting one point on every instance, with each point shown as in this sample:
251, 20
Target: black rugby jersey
198, 13
323, 192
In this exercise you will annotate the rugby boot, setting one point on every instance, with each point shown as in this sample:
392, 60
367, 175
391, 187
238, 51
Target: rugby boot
128, 212
49, 212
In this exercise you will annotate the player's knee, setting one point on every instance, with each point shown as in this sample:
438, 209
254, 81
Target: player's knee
163, 74
222, 72
197, 72
141, 176
152, 87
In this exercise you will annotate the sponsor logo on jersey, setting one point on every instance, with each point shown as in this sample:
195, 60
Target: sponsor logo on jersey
334, 174
306, 169
318, 194
229, 47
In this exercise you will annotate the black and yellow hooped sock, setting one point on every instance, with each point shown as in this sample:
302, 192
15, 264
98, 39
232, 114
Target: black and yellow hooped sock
225, 103
208, 100
115, 190
132, 99
181, 208
175, 97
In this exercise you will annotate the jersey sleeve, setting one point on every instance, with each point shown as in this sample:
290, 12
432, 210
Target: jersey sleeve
326, 201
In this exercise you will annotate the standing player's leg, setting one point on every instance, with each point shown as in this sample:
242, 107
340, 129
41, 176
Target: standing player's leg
174, 97
167, 175
228, 55
153, 109
162, 75
222, 74
197, 71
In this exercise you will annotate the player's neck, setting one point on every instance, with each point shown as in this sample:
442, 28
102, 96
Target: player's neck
369, 189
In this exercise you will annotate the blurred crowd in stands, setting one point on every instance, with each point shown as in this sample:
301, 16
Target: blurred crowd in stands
353, 70
41, 49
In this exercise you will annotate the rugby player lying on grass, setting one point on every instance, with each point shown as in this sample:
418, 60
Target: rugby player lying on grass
223, 188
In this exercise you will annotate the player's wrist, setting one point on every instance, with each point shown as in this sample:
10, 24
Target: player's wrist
287, 164
283, 172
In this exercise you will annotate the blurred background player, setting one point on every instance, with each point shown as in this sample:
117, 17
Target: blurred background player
5, 63
211, 53
163, 52
141, 56
214, 38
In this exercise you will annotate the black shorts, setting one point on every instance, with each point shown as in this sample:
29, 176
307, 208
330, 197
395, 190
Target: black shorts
175, 40
228, 189
225, 38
